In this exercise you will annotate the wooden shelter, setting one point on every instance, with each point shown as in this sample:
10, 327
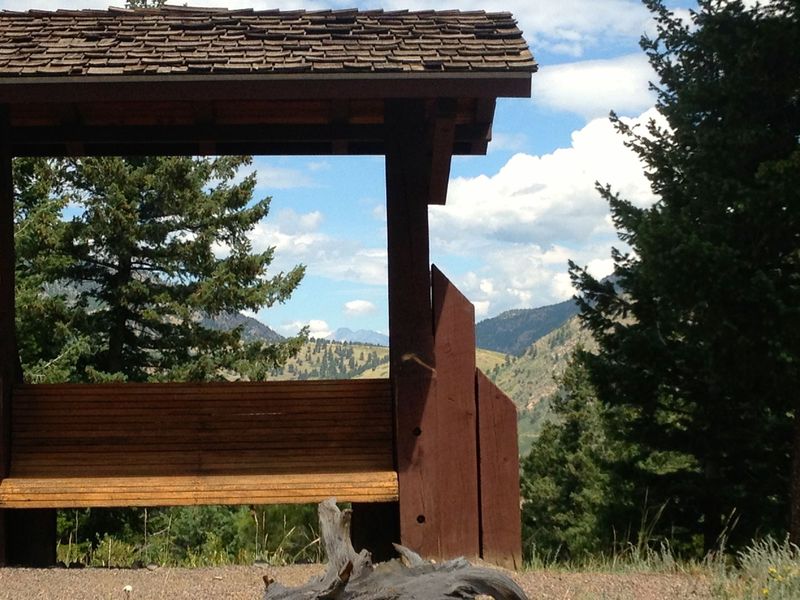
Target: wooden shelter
432, 450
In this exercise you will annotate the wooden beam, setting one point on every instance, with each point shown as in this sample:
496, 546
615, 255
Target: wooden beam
501, 526
447, 138
443, 135
456, 446
484, 116
195, 133
264, 86
411, 358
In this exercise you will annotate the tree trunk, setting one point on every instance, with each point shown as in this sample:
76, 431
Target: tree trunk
352, 576
119, 319
794, 522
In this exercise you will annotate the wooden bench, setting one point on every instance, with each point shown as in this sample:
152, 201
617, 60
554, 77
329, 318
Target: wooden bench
184, 444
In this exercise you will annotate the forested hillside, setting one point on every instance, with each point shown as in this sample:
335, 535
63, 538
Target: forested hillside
513, 331
325, 359
531, 379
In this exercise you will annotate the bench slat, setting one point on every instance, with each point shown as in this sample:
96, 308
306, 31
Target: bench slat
187, 490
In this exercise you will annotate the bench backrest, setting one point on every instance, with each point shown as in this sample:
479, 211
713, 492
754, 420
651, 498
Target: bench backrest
121, 430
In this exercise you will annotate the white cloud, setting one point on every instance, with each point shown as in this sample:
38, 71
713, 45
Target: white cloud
509, 142
568, 26
592, 88
317, 328
297, 239
281, 178
357, 308
526, 221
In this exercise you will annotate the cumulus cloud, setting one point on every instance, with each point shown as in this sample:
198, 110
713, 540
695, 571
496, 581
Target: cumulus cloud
550, 198
357, 308
526, 221
592, 88
568, 27
271, 176
317, 328
509, 142
297, 238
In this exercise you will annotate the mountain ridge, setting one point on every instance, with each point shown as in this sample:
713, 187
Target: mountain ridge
360, 336
513, 331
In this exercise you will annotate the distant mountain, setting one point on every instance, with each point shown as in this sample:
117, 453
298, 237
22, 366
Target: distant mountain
362, 336
252, 329
513, 331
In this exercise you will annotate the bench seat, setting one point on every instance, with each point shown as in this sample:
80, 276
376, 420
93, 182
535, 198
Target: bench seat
186, 444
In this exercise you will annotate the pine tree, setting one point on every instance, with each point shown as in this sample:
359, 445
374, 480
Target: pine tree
698, 332
153, 245
572, 505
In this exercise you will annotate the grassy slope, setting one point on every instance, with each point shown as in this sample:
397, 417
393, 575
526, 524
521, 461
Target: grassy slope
486, 360
323, 359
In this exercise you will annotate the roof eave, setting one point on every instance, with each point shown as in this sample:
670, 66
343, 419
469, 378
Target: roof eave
272, 86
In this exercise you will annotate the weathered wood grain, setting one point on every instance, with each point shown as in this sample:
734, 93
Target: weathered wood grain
351, 575
501, 535
455, 436
183, 444
408, 171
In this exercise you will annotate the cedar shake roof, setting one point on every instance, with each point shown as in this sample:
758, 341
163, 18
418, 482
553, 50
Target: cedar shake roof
189, 41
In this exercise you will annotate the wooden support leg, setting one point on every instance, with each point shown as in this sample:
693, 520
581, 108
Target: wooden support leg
31, 536
374, 526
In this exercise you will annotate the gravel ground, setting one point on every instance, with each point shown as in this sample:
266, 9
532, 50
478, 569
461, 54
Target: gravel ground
246, 583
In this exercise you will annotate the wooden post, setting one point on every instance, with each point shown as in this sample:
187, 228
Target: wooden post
411, 359
501, 525
26, 537
8, 341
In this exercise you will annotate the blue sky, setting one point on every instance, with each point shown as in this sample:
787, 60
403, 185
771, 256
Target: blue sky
513, 217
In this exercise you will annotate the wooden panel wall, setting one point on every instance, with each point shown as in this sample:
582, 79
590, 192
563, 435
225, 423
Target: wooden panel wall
130, 430
501, 524
456, 448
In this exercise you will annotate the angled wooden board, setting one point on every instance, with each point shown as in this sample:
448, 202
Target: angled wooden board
501, 535
456, 452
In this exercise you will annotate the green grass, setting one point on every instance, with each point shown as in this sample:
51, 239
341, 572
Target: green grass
765, 570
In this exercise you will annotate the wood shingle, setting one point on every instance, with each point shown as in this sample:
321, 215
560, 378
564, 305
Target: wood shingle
180, 40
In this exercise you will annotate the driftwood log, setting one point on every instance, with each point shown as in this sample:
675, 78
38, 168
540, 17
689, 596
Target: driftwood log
352, 576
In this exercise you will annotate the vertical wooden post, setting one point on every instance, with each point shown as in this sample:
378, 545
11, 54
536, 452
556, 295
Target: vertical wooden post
27, 537
501, 525
8, 340
411, 359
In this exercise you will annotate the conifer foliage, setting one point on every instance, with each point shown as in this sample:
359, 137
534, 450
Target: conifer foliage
699, 357
151, 245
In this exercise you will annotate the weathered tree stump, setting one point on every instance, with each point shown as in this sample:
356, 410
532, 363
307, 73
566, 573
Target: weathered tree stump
352, 576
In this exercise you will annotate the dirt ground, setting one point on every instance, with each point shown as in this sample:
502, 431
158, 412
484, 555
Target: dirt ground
246, 583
